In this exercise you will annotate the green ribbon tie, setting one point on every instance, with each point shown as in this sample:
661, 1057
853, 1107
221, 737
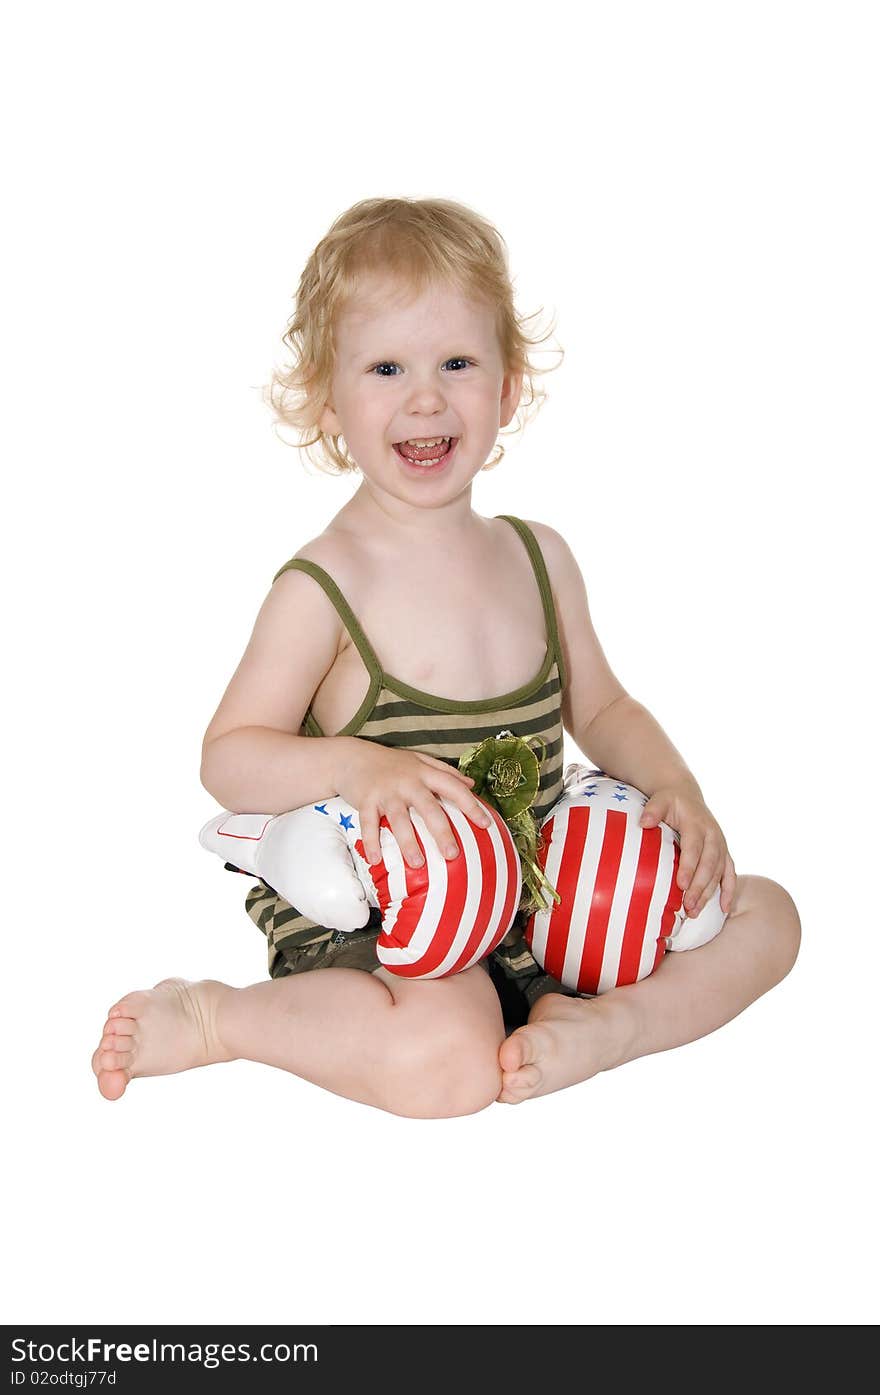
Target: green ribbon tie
506, 775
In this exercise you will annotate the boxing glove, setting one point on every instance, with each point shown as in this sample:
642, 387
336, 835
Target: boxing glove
437, 919
620, 905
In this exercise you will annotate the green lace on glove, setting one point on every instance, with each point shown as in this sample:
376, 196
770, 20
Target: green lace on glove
506, 774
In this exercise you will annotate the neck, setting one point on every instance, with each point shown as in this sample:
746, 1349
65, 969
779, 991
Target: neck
376, 511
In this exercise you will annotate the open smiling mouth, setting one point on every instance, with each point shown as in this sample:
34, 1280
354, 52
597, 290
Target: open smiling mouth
437, 449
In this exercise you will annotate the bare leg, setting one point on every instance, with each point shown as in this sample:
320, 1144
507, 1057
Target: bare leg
421, 1048
690, 994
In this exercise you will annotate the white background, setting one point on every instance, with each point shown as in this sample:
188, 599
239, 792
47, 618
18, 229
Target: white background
691, 190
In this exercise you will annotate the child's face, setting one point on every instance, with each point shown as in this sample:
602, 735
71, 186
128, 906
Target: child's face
430, 367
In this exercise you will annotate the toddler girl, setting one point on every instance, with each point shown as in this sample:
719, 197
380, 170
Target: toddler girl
409, 630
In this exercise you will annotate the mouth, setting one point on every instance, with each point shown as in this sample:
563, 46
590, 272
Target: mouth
427, 459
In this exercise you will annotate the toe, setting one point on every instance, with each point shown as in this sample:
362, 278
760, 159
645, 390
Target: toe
114, 1070
518, 1050
129, 1006
121, 1026
112, 1083
527, 1079
518, 1085
114, 1060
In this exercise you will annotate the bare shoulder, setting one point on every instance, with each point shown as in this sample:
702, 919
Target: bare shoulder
591, 685
336, 551
296, 638
295, 591
566, 582
561, 563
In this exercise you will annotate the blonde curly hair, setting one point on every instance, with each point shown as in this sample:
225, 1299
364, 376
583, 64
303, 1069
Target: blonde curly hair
420, 242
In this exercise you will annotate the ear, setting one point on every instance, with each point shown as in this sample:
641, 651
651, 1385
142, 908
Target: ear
511, 391
329, 422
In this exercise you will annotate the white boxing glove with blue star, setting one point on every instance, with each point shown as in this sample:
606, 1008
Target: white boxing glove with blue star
307, 856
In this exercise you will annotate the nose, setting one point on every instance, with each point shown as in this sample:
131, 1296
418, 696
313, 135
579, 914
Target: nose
426, 397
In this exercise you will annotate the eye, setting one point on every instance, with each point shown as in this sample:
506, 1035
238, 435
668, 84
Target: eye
386, 364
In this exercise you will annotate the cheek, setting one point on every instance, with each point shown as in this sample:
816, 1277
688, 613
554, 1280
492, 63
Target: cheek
373, 405
480, 397
363, 414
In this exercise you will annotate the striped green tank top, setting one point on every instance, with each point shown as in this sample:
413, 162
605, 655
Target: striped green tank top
395, 714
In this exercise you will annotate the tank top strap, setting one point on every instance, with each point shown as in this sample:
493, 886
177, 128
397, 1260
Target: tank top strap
343, 609
540, 569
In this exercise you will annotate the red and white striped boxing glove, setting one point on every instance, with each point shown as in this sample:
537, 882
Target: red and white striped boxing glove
621, 906
437, 919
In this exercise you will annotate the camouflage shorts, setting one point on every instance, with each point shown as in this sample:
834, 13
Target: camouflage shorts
298, 945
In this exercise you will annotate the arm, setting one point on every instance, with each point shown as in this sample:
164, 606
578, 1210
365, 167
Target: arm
253, 760
253, 770
623, 739
611, 727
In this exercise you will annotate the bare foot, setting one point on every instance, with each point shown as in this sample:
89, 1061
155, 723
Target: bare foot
565, 1040
159, 1031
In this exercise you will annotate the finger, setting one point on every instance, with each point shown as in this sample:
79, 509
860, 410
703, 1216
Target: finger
468, 803
476, 812
704, 880
439, 827
465, 800
652, 814
369, 821
473, 809
401, 826
444, 765
728, 885
705, 898
691, 848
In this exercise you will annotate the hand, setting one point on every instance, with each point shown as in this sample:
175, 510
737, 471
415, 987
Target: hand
383, 781
704, 861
